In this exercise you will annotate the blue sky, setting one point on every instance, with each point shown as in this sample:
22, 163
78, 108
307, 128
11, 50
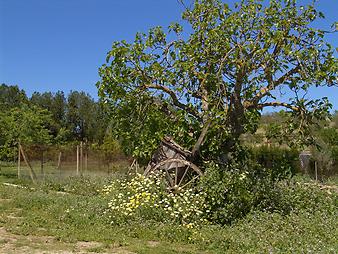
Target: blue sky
50, 45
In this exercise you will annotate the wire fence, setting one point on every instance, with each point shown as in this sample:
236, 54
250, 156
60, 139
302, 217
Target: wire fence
41, 161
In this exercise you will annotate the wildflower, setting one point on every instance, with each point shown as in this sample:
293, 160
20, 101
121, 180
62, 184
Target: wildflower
130, 198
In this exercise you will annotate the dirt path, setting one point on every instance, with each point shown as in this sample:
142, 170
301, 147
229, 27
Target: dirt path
19, 244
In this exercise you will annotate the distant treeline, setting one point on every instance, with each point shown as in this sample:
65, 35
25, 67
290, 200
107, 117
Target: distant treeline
49, 118
76, 116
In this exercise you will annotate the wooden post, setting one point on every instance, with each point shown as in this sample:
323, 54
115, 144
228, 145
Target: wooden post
19, 161
86, 160
31, 171
81, 157
59, 162
77, 160
42, 171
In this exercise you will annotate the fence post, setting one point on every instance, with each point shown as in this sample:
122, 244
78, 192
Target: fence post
19, 161
86, 158
77, 160
59, 162
81, 157
31, 171
42, 170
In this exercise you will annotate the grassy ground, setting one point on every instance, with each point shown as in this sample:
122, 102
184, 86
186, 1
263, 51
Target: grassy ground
68, 216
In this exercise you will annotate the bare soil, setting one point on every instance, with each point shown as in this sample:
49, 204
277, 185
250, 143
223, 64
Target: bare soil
20, 244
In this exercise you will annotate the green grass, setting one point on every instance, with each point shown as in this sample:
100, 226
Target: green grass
72, 210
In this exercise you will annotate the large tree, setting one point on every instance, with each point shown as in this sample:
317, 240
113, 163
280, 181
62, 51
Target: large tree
209, 86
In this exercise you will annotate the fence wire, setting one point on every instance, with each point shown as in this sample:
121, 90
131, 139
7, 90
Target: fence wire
41, 161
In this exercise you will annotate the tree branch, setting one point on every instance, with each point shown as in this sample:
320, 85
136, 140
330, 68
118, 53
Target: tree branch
200, 140
273, 104
273, 84
174, 98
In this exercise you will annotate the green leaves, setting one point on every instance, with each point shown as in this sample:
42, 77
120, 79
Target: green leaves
177, 28
28, 125
226, 70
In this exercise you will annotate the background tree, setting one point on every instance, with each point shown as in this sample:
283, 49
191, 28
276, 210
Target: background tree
75, 117
211, 85
82, 112
28, 125
11, 96
56, 104
102, 123
49, 118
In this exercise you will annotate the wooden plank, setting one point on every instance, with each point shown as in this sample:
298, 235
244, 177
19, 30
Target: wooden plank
59, 161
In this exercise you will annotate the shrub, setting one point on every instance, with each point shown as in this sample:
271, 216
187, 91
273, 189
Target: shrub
300, 195
225, 194
233, 190
282, 162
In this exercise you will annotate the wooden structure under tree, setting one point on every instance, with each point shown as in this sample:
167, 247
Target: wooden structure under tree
176, 164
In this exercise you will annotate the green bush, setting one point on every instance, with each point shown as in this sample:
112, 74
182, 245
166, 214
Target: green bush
235, 189
299, 195
281, 162
225, 194
238, 188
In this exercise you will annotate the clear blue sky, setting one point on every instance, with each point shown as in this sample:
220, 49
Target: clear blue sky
50, 45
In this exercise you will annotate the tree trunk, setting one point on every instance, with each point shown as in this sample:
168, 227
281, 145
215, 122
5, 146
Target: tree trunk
201, 138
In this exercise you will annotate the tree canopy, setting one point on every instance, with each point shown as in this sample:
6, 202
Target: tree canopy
208, 86
11, 96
